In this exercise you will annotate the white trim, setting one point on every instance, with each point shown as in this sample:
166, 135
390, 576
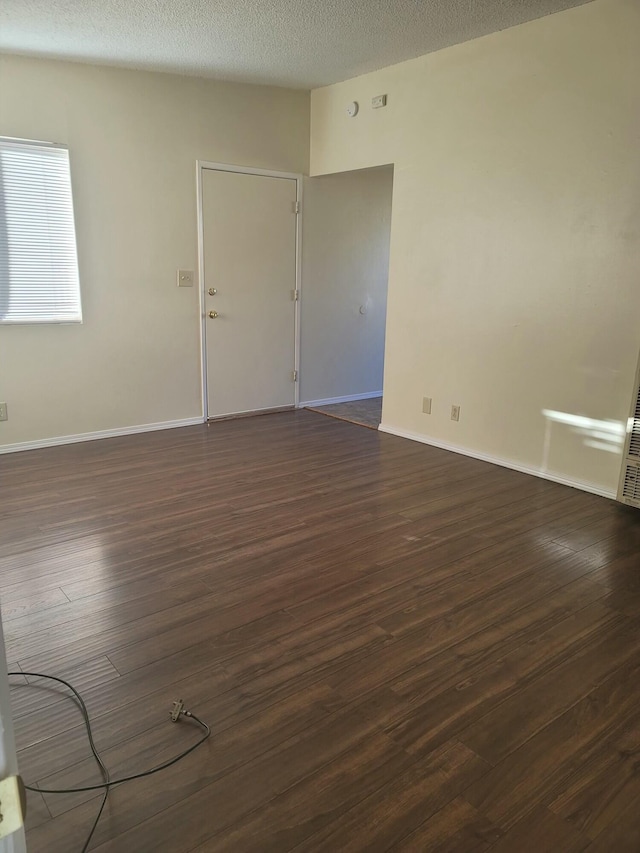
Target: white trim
297, 312
203, 340
248, 170
348, 399
14, 843
593, 488
93, 436
201, 165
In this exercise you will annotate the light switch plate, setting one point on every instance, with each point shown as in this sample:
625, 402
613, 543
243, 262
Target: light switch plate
185, 278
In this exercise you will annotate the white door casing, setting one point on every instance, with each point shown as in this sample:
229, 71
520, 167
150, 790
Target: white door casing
15, 842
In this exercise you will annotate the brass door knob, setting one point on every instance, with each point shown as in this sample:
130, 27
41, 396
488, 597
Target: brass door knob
212, 291
213, 314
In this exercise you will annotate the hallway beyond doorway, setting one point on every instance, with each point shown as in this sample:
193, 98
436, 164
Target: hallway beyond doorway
367, 413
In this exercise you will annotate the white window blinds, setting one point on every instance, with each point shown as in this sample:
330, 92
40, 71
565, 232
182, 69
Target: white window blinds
38, 260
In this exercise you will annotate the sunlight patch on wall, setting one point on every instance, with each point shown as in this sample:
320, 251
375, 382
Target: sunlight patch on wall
606, 435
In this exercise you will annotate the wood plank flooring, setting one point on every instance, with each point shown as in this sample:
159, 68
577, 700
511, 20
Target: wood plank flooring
396, 648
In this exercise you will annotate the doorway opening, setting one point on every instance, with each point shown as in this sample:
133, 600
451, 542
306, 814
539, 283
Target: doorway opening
345, 270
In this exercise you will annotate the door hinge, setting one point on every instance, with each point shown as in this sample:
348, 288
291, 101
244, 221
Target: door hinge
295, 295
294, 375
296, 207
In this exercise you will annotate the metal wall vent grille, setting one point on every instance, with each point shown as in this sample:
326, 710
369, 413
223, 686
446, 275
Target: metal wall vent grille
629, 483
634, 441
631, 487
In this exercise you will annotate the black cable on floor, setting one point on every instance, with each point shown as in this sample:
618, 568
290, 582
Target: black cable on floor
108, 782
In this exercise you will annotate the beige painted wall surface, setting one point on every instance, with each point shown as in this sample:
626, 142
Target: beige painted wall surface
134, 139
345, 266
515, 237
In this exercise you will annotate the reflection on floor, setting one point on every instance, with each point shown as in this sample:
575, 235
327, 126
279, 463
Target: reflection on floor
366, 413
398, 648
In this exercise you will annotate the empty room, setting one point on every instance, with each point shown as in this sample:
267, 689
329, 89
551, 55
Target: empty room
319, 426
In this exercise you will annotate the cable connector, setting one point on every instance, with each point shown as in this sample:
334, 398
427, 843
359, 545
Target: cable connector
177, 709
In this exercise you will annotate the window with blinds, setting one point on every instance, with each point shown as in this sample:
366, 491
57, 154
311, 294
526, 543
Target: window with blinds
38, 259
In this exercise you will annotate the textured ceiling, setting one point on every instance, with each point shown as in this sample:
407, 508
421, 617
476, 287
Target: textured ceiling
299, 43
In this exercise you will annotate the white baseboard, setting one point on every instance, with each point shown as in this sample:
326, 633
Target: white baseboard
93, 436
593, 488
349, 399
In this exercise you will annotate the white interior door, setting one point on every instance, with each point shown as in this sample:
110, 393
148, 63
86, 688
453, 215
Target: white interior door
249, 253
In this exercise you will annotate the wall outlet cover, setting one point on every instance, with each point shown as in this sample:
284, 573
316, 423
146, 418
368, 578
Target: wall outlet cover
185, 278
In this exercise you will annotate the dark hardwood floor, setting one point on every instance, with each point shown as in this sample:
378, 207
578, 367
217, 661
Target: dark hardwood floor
396, 647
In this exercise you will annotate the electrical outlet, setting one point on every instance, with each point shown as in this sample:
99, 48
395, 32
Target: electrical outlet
4, 416
426, 405
455, 413
176, 710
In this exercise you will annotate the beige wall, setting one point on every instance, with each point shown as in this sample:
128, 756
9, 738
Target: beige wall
134, 140
345, 266
515, 239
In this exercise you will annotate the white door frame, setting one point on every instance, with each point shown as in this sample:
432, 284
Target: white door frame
14, 843
201, 165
